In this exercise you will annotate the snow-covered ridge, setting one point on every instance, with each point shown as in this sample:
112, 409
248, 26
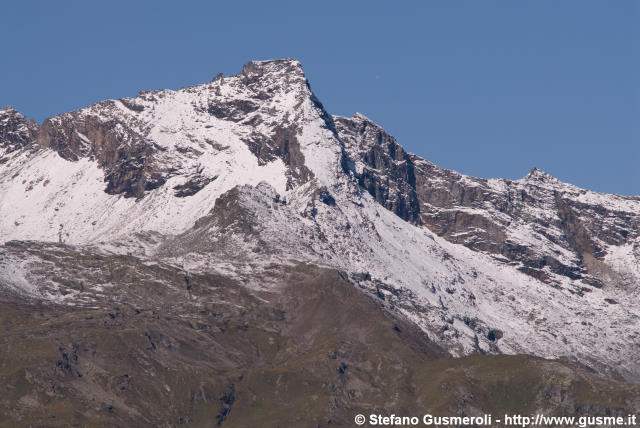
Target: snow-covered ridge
247, 170
155, 145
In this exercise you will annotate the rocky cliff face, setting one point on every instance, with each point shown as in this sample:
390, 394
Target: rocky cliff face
381, 166
540, 224
103, 135
248, 174
16, 133
568, 230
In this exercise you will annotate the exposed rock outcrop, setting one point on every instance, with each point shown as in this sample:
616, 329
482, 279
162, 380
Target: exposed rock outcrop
381, 165
16, 133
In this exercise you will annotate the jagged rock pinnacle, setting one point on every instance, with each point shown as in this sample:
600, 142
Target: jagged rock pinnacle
538, 175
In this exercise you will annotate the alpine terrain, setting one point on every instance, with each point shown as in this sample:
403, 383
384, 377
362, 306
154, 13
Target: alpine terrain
231, 254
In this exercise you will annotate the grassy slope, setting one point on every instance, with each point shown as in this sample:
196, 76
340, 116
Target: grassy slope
313, 353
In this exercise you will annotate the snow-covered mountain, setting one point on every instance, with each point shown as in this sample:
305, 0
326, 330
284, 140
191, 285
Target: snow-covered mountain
249, 171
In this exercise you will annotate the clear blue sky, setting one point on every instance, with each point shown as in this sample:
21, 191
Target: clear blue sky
488, 88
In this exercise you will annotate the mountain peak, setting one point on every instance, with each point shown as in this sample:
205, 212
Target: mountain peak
7, 112
263, 79
361, 117
538, 175
288, 66
15, 130
178, 178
